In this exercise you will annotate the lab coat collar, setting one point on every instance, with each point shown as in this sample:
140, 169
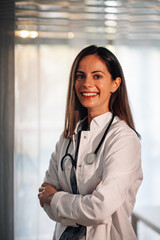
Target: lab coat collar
79, 126
98, 122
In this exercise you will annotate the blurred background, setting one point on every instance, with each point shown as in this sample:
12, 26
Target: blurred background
48, 35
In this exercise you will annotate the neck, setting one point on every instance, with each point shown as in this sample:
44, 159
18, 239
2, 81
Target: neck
92, 115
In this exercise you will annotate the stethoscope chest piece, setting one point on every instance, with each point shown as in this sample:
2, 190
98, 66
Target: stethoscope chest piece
90, 158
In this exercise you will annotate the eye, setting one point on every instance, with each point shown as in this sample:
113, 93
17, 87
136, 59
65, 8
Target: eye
97, 76
79, 76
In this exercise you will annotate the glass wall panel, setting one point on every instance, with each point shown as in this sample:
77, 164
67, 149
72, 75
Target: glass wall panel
141, 68
41, 79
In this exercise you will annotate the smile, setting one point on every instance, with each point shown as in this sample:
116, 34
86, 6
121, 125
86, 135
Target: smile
89, 94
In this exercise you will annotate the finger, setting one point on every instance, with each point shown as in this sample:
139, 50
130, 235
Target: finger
39, 195
45, 184
41, 189
41, 203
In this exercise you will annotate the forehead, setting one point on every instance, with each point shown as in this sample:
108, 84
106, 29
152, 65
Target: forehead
92, 62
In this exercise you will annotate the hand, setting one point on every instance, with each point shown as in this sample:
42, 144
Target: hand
46, 192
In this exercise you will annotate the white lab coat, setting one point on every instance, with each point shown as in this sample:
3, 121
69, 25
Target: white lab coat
107, 187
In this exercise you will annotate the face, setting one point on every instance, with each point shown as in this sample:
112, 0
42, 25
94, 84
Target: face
94, 85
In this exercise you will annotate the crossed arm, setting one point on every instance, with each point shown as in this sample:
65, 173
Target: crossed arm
46, 192
119, 174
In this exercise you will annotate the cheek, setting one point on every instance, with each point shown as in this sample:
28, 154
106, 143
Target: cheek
104, 87
101, 85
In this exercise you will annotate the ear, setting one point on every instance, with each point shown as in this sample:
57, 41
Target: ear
116, 84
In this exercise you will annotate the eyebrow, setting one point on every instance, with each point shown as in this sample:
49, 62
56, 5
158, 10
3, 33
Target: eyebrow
92, 72
98, 71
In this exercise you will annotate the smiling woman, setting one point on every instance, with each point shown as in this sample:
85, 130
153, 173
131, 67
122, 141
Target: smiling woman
94, 85
107, 63
95, 171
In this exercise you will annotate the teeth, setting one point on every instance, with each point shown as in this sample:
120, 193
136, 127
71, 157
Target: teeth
89, 94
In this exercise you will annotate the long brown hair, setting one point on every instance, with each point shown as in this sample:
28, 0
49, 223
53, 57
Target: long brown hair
119, 104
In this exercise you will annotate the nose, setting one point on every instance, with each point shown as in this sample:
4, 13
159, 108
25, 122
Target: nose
88, 81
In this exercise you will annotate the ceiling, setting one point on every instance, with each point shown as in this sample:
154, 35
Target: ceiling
116, 21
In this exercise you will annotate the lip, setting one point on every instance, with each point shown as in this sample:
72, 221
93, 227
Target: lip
88, 95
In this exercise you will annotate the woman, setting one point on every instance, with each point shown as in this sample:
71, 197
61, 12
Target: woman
95, 171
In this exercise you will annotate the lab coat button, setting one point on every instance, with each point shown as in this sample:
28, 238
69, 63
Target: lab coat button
80, 166
85, 137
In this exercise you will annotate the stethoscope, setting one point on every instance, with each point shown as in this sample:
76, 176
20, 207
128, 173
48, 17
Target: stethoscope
91, 156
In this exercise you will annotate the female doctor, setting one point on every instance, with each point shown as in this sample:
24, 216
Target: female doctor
95, 171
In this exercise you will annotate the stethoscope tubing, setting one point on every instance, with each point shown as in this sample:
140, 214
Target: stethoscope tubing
90, 159
71, 158
104, 135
